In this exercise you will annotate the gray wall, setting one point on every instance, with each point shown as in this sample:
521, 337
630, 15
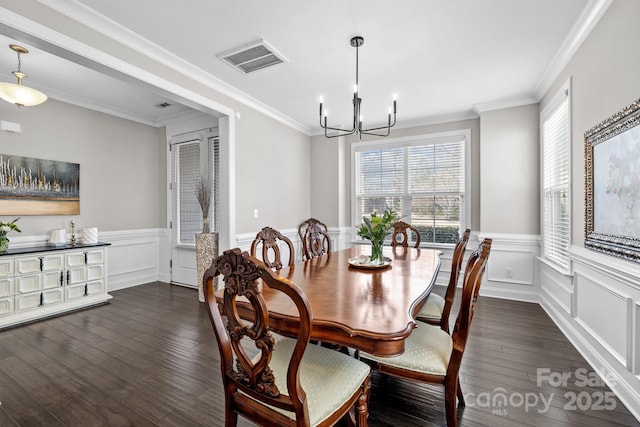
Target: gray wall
272, 174
509, 178
122, 165
605, 78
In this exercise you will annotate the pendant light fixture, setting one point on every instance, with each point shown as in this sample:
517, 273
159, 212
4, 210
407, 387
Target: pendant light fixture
18, 93
357, 129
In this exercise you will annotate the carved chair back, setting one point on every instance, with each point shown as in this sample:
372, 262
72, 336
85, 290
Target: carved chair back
315, 239
473, 275
456, 266
400, 236
268, 238
249, 385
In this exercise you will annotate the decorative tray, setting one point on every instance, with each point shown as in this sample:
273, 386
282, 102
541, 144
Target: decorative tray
363, 261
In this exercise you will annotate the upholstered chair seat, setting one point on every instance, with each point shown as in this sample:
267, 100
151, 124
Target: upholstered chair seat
328, 377
427, 350
432, 309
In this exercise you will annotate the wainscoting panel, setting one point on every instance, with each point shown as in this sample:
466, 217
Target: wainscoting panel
133, 257
602, 311
510, 270
557, 286
602, 321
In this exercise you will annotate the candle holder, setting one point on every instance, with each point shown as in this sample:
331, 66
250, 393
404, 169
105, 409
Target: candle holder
73, 233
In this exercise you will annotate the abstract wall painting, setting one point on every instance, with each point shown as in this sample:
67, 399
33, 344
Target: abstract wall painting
31, 186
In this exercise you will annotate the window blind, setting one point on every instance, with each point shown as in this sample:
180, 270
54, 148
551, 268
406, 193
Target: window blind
423, 181
186, 174
187, 179
556, 183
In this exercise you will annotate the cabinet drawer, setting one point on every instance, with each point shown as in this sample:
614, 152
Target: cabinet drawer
76, 275
75, 259
52, 279
53, 262
27, 265
6, 287
75, 292
6, 306
95, 287
26, 284
82, 290
27, 302
95, 272
52, 296
95, 257
6, 267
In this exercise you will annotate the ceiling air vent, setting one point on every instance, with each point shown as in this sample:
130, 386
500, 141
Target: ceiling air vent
252, 57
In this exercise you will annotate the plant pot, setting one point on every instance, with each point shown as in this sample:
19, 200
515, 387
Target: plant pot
206, 252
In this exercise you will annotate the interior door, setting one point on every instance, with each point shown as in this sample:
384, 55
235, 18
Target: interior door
193, 157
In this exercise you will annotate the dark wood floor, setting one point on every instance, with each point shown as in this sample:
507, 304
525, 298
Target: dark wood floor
148, 358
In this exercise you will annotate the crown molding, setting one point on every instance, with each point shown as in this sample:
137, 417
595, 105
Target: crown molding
586, 22
483, 107
81, 13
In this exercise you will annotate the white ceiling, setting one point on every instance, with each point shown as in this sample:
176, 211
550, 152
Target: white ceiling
445, 59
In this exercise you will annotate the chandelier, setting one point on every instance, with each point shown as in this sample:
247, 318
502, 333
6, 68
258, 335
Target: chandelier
357, 129
18, 93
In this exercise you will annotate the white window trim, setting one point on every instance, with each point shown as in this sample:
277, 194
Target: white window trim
417, 140
565, 91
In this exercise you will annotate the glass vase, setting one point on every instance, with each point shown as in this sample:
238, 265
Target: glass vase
376, 253
4, 242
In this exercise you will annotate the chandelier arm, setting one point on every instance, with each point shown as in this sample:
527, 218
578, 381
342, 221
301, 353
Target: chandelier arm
389, 126
357, 129
367, 132
341, 132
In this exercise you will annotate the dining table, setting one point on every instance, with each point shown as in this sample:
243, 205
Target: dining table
354, 304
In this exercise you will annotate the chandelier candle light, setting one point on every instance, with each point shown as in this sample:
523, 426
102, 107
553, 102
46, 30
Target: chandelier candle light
18, 93
357, 116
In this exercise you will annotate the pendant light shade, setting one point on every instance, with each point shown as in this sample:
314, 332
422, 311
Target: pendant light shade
18, 93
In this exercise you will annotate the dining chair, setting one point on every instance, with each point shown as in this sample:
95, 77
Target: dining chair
400, 236
431, 354
436, 309
268, 239
315, 239
287, 383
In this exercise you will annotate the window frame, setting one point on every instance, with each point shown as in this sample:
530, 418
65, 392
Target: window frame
417, 140
563, 93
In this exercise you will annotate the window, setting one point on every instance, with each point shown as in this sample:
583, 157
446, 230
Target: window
190, 163
556, 175
423, 179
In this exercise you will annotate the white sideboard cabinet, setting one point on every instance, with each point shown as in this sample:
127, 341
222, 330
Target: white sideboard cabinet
41, 281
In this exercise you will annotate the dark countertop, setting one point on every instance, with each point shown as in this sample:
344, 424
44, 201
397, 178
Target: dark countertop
49, 248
